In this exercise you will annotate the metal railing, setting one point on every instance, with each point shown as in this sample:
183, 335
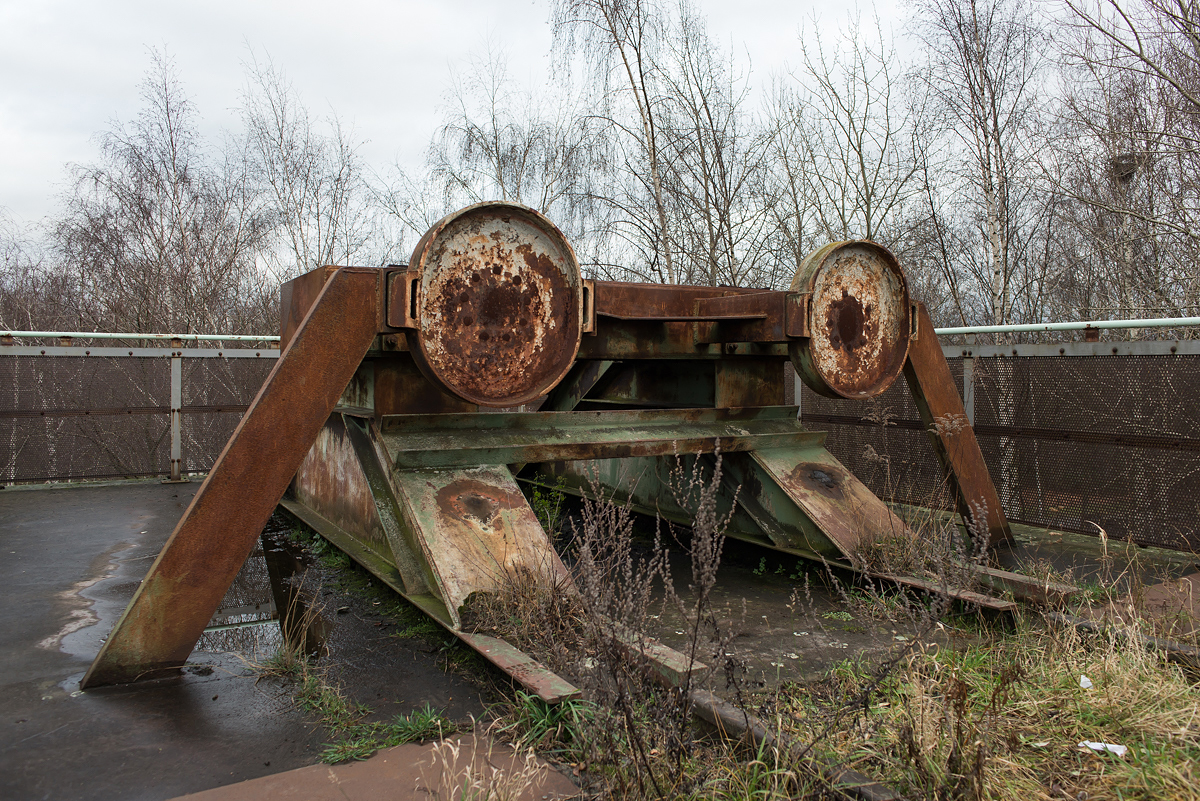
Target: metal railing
7, 337
175, 352
1091, 325
1075, 433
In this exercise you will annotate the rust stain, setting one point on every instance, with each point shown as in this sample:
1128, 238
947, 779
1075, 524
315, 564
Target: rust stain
475, 502
499, 323
860, 320
820, 478
330, 481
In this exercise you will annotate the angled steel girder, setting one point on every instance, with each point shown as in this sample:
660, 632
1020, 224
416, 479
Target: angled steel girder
435, 536
953, 439
185, 584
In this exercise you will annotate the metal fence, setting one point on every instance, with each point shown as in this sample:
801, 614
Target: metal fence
71, 412
1078, 436
1083, 436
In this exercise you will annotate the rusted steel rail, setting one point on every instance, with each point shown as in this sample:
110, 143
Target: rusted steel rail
371, 422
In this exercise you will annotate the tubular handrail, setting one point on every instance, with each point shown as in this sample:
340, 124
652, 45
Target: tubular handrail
152, 337
1153, 322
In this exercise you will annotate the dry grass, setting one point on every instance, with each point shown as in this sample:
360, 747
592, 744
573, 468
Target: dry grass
471, 773
1003, 719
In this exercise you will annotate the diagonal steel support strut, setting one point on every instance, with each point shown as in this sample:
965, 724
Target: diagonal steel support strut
176, 600
953, 439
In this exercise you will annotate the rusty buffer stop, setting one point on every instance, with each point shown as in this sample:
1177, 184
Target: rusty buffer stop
407, 400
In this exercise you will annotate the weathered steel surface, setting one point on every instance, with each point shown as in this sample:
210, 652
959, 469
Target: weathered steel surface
296, 297
185, 584
769, 317
359, 394
796, 498
578, 383
1025, 588
401, 388
415, 441
947, 590
958, 452
840, 505
665, 303
672, 668
343, 479
859, 320
534, 676
652, 321
379, 565
662, 383
330, 480
499, 306
548, 686
476, 531
649, 339
748, 382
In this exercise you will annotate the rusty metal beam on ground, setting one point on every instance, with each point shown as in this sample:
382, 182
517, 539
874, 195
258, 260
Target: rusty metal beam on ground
945, 420
185, 584
1025, 588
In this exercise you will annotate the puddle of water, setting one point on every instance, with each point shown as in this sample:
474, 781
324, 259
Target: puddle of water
269, 603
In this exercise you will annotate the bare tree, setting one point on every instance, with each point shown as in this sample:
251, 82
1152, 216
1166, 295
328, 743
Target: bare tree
1159, 39
620, 40
714, 167
1131, 184
501, 141
34, 296
793, 226
313, 180
161, 235
984, 64
858, 124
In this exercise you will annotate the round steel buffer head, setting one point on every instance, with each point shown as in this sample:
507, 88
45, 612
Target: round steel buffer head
500, 305
859, 320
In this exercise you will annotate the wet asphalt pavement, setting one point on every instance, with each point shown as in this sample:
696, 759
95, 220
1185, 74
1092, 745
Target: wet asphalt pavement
71, 560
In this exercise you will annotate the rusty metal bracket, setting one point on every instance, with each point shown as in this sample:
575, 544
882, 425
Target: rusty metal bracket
796, 315
403, 298
185, 584
589, 306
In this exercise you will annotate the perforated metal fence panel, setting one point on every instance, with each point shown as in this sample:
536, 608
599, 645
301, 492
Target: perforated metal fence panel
97, 417
215, 393
1076, 444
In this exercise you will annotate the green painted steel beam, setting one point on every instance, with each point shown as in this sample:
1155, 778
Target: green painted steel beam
444, 441
542, 681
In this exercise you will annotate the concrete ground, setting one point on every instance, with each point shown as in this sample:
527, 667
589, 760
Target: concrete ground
460, 767
71, 560
73, 556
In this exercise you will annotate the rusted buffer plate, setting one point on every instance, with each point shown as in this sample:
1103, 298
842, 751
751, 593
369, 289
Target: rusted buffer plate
859, 320
499, 306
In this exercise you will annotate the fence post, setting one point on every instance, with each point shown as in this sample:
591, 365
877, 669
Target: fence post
177, 413
969, 383
797, 386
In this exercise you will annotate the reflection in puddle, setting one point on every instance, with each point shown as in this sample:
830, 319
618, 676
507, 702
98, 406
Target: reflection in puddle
268, 604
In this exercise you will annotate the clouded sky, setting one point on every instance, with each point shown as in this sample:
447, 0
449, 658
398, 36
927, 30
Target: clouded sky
70, 67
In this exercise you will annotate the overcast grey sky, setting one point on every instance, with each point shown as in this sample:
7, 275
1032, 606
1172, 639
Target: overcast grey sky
70, 67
